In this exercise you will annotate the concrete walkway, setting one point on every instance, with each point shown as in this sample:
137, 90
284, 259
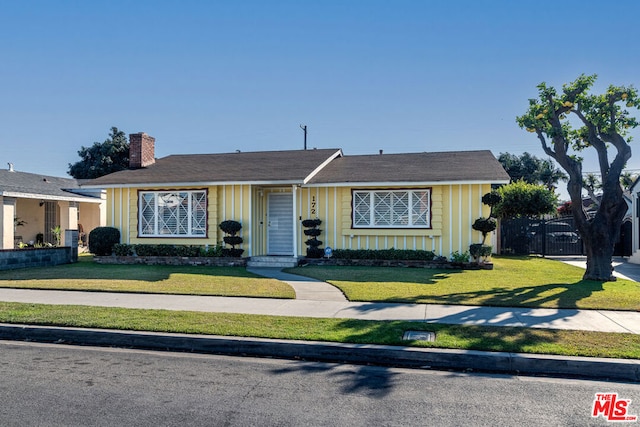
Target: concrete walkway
622, 268
305, 287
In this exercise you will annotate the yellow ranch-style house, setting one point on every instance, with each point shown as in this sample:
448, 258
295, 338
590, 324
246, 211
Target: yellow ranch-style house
422, 201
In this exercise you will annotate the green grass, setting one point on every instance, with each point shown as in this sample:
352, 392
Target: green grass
186, 280
509, 339
514, 282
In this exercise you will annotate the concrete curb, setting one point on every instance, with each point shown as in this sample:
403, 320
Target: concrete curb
406, 357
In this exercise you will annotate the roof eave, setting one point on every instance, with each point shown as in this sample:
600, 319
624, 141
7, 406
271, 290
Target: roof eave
322, 166
20, 195
196, 184
405, 183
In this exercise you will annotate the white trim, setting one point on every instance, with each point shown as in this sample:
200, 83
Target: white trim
19, 195
224, 203
194, 184
120, 213
294, 191
294, 182
157, 218
405, 183
450, 219
113, 208
460, 218
233, 202
335, 217
322, 166
370, 201
250, 225
129, 216
470, 190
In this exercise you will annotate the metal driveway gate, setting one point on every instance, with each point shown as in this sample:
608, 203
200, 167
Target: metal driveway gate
523, 236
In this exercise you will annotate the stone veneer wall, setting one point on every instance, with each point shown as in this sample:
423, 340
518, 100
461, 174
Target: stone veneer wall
35, 257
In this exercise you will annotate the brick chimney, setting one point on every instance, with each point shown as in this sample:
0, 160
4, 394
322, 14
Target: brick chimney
141, 150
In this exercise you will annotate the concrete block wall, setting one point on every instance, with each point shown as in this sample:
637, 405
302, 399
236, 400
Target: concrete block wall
36, 257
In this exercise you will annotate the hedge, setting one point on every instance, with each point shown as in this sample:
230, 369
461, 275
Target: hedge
384, 254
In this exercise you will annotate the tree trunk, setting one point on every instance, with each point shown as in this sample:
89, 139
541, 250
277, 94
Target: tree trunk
599, 248
601, 233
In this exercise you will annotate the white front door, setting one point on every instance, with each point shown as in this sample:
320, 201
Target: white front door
280, 224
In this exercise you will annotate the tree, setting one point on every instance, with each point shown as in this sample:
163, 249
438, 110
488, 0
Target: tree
531, 169
592, 184
521, 199
100, 159
603, 123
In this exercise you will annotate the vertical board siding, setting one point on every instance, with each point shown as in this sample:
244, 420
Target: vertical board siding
454, 208
123, 215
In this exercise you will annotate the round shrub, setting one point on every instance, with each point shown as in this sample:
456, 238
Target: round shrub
232, 240
233, 252
230, 227
310, 223
314, 252
312, 232
102, 240
314, 243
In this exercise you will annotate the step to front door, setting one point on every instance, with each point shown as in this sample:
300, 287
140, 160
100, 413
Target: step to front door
273, 261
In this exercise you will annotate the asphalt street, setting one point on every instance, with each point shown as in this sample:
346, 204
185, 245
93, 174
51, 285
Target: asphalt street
58, 385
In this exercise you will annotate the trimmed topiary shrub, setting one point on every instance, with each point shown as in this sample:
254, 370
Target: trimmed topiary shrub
102, 240
485, 226
480, 252
311, 223
231, 228
313, 244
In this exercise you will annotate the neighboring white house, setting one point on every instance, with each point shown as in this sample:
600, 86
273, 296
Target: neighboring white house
634, 192
31, 205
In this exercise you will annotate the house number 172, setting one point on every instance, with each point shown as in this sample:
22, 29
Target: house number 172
313, 205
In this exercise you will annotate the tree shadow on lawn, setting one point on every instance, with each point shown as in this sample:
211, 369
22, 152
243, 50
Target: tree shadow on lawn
452, 336
94, 271
552, 295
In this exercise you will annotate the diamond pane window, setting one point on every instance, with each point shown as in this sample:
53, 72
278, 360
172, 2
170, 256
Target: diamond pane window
392, 209
172, 213
361, 209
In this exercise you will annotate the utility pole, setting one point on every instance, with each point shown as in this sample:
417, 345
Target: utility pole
304, 128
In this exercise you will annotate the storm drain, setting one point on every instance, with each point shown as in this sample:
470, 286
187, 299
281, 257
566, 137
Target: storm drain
419, 336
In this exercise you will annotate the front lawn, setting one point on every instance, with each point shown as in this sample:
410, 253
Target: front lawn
89, 276
514, 282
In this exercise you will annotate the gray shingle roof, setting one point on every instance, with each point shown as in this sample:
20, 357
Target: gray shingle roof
13, 183
297, 165
452, 166
261, 166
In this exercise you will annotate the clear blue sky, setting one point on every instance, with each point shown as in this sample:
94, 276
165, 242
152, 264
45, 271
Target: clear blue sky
214, 76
